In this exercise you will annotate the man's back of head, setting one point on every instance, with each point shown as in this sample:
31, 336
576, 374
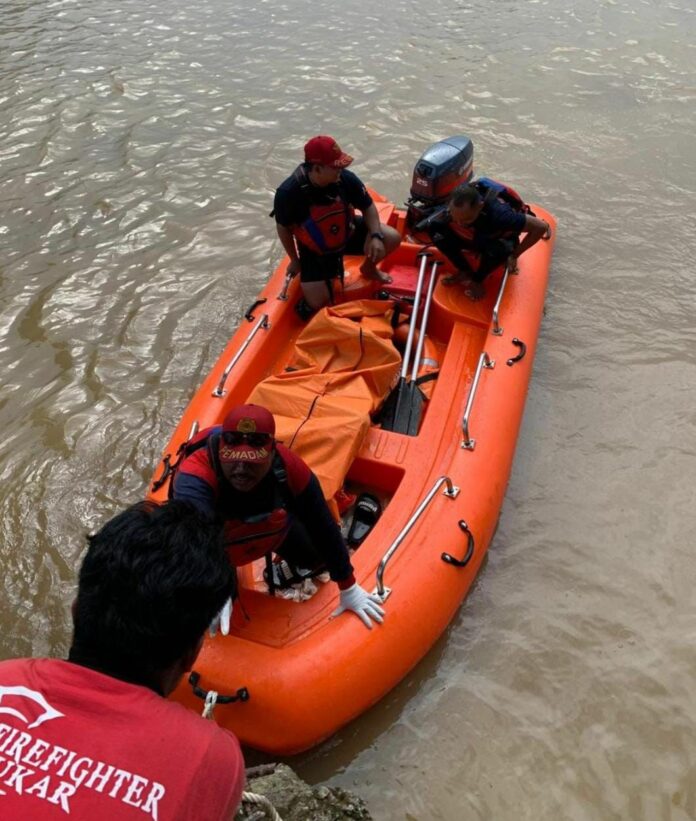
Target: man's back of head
150, 583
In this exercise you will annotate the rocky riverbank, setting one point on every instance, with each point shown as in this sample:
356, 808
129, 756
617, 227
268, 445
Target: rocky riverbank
294, 800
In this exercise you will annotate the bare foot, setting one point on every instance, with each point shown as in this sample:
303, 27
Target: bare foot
371, 271
454, 279
475, 291
380, 276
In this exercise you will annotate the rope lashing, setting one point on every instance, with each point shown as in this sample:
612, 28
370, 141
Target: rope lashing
210, 701
263, 802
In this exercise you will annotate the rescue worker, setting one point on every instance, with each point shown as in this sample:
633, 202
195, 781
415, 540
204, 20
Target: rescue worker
314, 209
95, 736
479, 231
269, 500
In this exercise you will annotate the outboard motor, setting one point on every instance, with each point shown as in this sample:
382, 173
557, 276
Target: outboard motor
442, 167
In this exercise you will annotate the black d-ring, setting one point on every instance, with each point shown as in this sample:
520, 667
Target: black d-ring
241, 695
523, 350
249, 315
447, 557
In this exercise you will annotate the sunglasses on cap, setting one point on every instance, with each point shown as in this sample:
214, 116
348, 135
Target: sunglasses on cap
254, 440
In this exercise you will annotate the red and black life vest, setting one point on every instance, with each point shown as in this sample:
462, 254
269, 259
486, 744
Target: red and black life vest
329, 225
246, 538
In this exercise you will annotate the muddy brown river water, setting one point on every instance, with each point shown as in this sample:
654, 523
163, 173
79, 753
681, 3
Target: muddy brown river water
140, 145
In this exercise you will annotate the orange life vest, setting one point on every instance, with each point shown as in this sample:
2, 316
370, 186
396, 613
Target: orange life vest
328, 226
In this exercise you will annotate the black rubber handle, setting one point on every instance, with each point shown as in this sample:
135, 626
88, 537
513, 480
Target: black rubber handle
523, 350
249, 315
447, 557
241, 695
166, 473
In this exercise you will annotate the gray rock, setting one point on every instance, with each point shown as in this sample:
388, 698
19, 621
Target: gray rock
295, 800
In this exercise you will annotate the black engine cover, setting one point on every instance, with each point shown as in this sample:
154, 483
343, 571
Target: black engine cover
442, 167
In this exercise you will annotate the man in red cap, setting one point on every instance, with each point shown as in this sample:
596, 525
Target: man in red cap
314, 209
268, 501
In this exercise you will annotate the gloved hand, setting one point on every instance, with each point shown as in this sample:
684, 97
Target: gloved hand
365, 605
222, 620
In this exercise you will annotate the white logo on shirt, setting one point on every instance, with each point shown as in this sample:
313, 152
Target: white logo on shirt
33, 700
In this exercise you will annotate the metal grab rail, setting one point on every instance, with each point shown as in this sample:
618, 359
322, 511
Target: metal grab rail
413, 323
451, 493
497, 330
424, 320
283, 295
484, 362
261, 323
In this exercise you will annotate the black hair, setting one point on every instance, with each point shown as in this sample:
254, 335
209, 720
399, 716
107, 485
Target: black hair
150, 583
464, 194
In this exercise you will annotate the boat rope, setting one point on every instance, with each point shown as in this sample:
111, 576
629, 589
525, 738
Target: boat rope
211, 698
251, 798
261, 801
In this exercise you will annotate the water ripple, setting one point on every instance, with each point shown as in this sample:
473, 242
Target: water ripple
139, 149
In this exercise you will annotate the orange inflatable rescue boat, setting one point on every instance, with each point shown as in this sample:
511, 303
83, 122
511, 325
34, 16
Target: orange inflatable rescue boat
289, 675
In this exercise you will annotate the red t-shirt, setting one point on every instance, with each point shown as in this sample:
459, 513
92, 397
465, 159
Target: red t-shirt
78, 743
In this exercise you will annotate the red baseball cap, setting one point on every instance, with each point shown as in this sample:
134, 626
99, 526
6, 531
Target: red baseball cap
247, 435
324, 150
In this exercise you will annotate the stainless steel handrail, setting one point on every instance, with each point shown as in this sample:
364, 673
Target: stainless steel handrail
497, 330
452, 492
424, 320
283, 295
414, 316
262, 322
484, 362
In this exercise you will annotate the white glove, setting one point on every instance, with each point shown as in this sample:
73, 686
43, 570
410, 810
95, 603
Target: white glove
365, 605
222, 620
